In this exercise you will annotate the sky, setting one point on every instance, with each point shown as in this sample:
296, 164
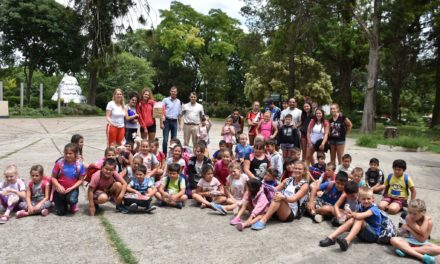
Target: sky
230, 7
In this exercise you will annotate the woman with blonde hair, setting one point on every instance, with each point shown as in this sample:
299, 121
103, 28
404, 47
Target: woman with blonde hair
115, 114
290, 199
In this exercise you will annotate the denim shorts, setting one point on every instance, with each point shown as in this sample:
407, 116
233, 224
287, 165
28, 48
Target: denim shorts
367, 234
336, 142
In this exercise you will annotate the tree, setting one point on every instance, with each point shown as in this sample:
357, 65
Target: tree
435, 37
372, 34
45, 33
268, 75
99, 18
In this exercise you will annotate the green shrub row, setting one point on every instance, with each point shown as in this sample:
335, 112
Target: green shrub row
222, 110
69, 110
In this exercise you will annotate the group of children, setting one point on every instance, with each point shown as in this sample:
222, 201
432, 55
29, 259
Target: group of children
257, 179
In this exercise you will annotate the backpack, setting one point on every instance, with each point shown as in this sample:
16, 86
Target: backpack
301, 206
269, 191
387, 229
405, 178
315, 172
44, 182
91, 169
181, 178
60, 162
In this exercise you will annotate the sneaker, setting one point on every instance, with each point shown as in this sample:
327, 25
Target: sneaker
133, 208
21, 213
400, 253
258, 225
239, 226
235, 220
160, 203
343, 244
179, 205
218, 208
74, 208
428, 259
44, 212
335, 222
122, 209
326, 242
318, 218
150, 209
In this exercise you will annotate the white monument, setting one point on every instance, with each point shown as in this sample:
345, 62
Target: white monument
70, 91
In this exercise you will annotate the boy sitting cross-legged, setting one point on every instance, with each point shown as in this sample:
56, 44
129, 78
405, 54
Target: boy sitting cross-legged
140, 191
365, 224
172, 190
323, 206
104, 185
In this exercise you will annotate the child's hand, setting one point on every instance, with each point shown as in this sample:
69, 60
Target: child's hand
92, 210
31, 209
118, 199
60, 189
311, 206
68, 190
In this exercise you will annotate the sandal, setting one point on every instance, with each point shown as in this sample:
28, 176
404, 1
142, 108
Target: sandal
4, 219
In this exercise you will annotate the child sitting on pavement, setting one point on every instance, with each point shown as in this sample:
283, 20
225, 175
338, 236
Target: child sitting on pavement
104, 185
209, 192
172, 189
12, 191
365, 224
276, 159
255, 201
37, 194
346, 165
397, 188
140, 191
323, 206
374, 177
417, 229
357, 175
348, 201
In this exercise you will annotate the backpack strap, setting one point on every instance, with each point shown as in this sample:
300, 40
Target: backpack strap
151, 160
389, 178
167, 183
406, 179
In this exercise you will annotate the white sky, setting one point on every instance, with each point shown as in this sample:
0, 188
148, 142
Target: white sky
230, 7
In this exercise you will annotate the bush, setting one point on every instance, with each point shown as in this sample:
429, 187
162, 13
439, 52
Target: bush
355, 118
222, 110
81, 110
31, 112
367, 141
408, 142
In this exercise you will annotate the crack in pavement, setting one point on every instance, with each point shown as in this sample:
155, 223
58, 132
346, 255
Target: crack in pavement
20, 149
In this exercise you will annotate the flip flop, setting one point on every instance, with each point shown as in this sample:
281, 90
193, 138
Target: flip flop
4, 219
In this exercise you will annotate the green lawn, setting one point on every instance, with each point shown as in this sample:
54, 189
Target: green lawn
410, 136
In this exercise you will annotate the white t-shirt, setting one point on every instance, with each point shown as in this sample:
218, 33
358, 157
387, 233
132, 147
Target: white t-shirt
317, 132
117, 116
192, 113
296, 115
237, 186
211, 186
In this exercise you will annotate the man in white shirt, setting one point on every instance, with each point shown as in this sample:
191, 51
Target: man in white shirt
191, 113
295, 112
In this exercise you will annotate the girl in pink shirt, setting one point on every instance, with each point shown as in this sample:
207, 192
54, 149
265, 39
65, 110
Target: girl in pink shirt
255, 201
221, 170
267, 128
228, 132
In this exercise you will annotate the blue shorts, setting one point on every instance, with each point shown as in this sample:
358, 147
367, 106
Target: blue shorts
336, 142
367, 234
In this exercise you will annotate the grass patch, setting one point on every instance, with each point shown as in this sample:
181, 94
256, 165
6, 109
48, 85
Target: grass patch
435, 241
412, 137
124, 252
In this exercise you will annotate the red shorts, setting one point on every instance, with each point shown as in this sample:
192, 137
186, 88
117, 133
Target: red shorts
400, 201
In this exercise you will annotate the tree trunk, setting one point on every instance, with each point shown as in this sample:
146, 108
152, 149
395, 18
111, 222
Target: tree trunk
93, 82
368, 121
345, 69
436, 112
292, 75
395, 95
28, 77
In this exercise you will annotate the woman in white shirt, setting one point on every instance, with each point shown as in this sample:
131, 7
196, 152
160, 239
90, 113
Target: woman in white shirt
115, 114
317, 135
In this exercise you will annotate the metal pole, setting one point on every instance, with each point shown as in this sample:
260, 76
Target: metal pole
1, 91
59, 99
41, 96
21, 95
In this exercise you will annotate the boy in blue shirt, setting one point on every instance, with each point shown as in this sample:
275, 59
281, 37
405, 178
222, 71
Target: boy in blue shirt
140, 191
323, 206
365, 224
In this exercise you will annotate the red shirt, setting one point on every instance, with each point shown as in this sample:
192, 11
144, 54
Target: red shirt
145, 112
251, 116
221, 172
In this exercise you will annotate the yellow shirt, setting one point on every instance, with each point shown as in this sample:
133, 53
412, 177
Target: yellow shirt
398, 187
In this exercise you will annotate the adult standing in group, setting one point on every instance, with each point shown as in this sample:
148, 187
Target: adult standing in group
171, 119
294, 111
317, 135
340, 126
275, 111
306, 117
253, 118
131, 122
192, 114
145, 111
115, 114
237, 123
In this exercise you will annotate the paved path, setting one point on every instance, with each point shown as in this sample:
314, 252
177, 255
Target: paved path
172, 235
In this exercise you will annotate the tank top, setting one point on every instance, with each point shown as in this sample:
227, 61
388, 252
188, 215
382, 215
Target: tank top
266, 129
337, 128
290, 190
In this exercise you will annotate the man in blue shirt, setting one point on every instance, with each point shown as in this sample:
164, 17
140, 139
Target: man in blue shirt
274, 110
168, 122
